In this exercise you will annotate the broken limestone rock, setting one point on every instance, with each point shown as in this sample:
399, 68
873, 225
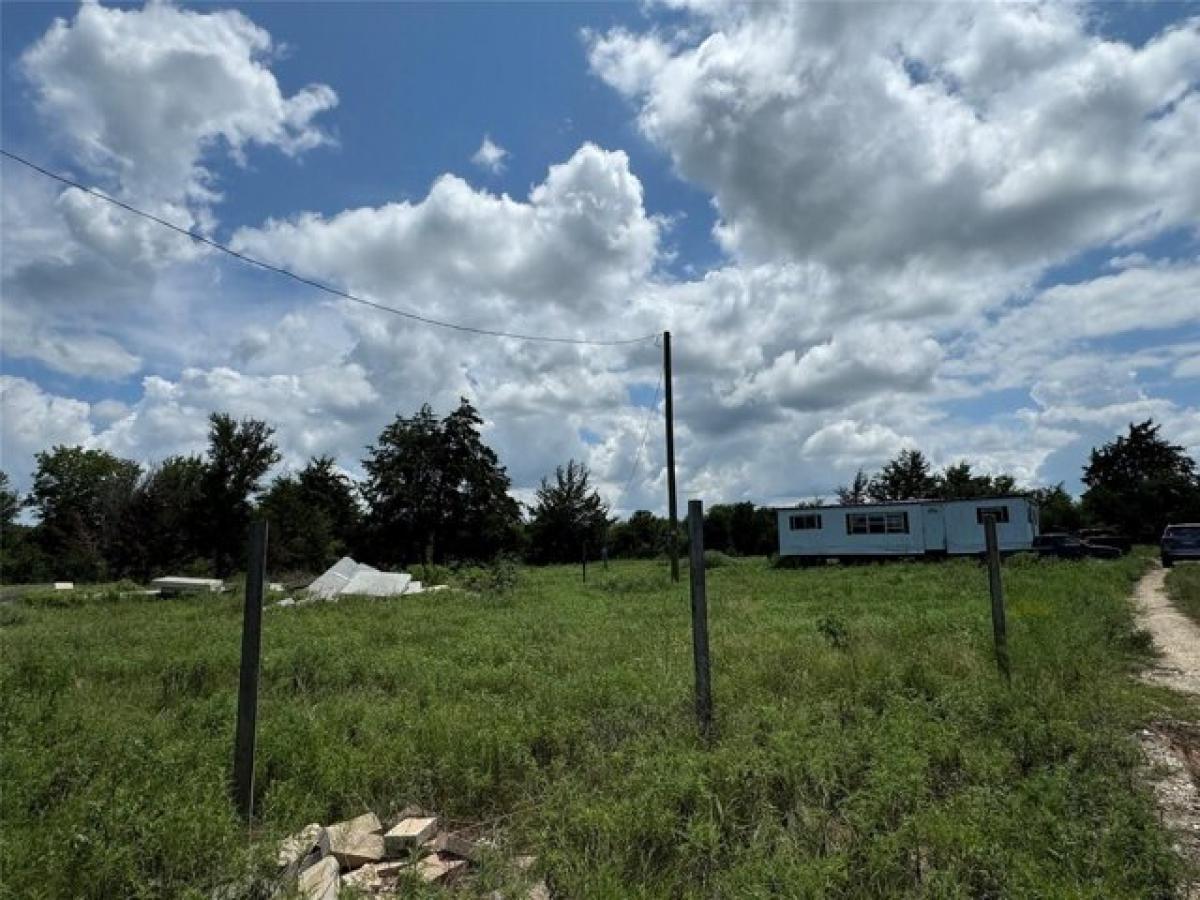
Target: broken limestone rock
367, 879
458, 845
368, 822
439, 869
357, 841
392, 868
539, 891
409, 832
303, 849
321, 881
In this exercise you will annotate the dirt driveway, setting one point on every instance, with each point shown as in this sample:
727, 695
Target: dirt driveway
1173, 748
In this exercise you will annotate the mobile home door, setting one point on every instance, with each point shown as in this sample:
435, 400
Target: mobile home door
935, 530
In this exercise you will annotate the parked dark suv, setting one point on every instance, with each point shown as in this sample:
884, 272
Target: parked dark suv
1180, 542
1067, 546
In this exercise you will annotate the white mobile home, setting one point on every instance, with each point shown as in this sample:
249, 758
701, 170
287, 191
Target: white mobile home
905, 528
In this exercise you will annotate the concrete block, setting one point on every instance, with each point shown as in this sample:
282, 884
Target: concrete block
439, 869
64, 585
357, 841
367, 822
539, 891
303, 849
321, 881
366, 879
410, 832
275, 587
356, 849
414, 587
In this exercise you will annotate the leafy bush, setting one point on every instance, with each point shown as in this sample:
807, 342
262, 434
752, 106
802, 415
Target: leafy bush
715, 559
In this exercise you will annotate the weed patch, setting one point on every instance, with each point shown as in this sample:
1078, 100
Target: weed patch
866, 746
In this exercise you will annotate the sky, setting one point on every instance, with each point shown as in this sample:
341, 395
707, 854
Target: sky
970, 229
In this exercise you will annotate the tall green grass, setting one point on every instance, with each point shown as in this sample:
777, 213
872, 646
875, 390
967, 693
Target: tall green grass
1183, 587
865, 748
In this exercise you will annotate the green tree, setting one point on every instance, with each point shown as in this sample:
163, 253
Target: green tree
10, 502
239, 455
21, 559
1140, 482
80, 497
313, 516
907, 477
856, 492
164, 530
436, 491
958, 482
568, 517
642, 536
742, 529
1057, 510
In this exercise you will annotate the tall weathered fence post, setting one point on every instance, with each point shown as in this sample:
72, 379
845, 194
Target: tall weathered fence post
704, 705
999, 630
583, 558
247, 714
673, 534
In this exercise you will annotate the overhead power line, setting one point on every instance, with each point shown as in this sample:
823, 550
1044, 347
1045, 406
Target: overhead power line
642, 444
345, 295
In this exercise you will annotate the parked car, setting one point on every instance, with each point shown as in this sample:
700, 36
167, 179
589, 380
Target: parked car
1107, 537
1067, 546
1180, 541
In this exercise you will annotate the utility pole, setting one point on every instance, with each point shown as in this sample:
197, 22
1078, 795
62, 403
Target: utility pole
672, 505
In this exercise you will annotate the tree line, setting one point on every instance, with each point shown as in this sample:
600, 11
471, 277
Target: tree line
434, 492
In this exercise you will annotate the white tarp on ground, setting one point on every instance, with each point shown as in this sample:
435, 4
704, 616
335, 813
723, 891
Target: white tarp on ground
377, 584
347, 577
335, 578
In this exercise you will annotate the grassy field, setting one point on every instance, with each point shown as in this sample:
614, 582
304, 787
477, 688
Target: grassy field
866, 747
1183, 586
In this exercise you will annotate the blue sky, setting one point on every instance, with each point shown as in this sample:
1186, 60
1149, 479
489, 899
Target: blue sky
961, 228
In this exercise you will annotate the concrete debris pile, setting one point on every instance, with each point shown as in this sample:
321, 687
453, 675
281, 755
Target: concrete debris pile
347, 577
376, 861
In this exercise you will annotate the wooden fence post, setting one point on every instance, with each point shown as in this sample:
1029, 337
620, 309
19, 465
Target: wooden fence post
704, 704
996, 587
247, 713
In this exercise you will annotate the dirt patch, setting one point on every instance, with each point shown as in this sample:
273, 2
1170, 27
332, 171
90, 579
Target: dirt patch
1175, 635
1172, 748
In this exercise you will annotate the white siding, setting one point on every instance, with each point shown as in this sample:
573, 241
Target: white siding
964, 531
832, 540
962, 527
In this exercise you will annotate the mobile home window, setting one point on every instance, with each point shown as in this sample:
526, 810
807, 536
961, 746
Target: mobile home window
877, 523
1000, 512
805, 522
